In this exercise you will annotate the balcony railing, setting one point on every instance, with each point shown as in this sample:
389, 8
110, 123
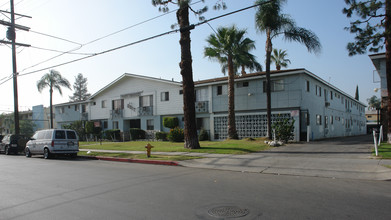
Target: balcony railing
116, 113
201, 106
145, 111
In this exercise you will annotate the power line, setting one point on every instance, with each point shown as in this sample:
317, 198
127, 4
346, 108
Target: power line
64, 52
140, 41
59, 38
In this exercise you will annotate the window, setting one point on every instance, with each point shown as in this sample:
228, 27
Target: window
83, 108
326, 122
93, 103
117, 104
307, 85
59, 135
219, 90
331, 120
150, 125
181, 92
331, 95
318, 91
105, 124
276, 85
61, 110
76, 107
241, 84
71, 135
104, 104
318, 119
146, 101
164, 96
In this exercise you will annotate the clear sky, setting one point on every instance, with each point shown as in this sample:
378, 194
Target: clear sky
81, 21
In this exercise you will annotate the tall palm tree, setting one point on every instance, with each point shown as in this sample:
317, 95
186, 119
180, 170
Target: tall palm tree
229, 47
270, 20
278, 57
53, 80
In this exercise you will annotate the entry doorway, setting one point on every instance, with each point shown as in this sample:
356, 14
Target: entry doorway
135, 123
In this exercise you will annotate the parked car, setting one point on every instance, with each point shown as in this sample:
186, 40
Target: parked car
13, 143
53, 142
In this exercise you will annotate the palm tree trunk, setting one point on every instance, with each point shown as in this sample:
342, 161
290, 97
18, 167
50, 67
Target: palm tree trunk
190, 129
269, 48
51, 107
388, 66
232, 134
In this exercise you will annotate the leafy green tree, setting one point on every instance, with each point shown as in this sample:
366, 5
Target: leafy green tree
228, 46
190, 129
271, 21
279, 58
80, 89
54, 81
27, 127
373, 102
373, 33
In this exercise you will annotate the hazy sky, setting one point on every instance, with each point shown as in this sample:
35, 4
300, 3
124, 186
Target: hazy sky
79, 22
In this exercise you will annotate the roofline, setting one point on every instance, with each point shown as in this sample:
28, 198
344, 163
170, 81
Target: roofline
70, 103
261, 75
377, 55
135, 76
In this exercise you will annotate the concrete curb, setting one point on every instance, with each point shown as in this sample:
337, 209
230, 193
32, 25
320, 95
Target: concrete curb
156, 162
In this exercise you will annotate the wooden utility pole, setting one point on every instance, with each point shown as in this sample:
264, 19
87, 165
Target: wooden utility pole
11, 35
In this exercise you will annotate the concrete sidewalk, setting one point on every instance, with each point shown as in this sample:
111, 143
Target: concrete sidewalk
298, 160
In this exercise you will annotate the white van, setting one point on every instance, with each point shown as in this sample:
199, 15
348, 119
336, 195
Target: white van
53, 142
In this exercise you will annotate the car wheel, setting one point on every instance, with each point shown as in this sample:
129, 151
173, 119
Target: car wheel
28, 153
7, 151
46, 153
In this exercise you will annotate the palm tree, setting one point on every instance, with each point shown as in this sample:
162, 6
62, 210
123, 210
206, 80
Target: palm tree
229, 47
278, 57
53, 80
271, 21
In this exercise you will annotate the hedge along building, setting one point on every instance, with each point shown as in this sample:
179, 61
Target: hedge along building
134, 101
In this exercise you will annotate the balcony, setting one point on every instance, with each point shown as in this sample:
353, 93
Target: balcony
145, 111
116, 113
201, 106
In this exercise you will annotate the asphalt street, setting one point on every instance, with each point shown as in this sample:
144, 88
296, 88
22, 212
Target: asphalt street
34, 188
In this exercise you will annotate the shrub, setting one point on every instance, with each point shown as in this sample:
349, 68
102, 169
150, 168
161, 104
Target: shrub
204, 136
161, 136
113, 134
137, 133
176, 135
284, 129
170, 122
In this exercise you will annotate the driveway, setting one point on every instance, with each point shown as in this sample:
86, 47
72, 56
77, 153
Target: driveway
344, 158
347, 147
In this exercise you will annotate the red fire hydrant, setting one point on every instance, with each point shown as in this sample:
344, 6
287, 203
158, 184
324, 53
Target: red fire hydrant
149, 147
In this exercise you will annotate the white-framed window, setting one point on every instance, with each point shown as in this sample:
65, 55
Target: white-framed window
307, 85
219, 90
62, 110
318, 119
104, 104
118, 104
164, 96
146, 101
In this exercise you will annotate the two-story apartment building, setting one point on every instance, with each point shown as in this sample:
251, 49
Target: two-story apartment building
319, 108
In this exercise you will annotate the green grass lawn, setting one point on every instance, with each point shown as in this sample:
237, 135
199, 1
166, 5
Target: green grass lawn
216, 147
384, 151
138, 156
